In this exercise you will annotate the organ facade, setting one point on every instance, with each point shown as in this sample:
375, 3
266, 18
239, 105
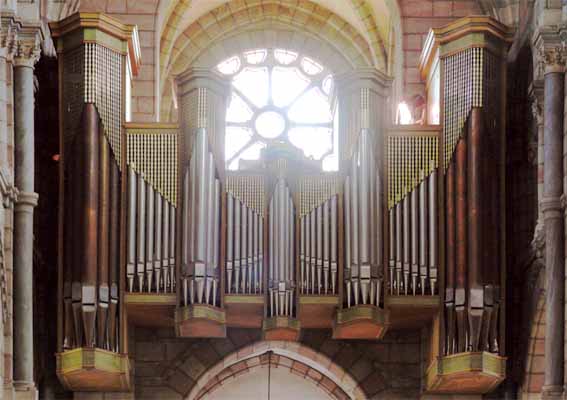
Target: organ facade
158, 230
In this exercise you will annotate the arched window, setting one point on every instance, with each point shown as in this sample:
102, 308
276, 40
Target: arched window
279, 96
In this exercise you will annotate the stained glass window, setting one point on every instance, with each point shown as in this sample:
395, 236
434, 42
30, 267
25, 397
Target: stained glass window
279, 96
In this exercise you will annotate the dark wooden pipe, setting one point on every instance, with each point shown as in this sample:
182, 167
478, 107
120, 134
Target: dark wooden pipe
450, 261
461, 241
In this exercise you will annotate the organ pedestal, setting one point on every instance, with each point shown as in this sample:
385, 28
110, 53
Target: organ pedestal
97, 56
464, 64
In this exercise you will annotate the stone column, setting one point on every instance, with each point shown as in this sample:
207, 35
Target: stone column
27, 54
551, 207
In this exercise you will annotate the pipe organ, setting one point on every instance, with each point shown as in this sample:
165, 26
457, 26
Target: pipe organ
470, 58
155, 231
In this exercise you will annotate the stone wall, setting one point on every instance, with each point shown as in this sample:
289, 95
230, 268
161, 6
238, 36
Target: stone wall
166, 367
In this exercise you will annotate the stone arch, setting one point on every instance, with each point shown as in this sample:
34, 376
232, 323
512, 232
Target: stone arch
223, 20
298, 358
266, 35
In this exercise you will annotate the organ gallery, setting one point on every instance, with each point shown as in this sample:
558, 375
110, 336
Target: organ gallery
281, 199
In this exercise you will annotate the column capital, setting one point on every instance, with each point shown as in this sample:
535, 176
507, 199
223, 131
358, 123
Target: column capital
26, 200
551, 52
28, 45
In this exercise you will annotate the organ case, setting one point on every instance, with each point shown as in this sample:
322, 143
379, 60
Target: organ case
97, 55
468, 347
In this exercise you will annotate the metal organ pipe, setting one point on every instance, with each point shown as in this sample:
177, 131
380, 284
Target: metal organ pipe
347, 241
210, 228
354, 271
334, 233
326, 246
158, 234
216, 241
433, 262
149, 236
186, 262
131, 259
230, 239
141, 212
423, 233
165, 248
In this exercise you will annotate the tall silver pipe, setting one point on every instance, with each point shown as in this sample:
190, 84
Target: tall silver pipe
414, 239
379, 235
319, 248
392, 247
216, 240
326, 246
229, 240
150, 236
272, 250
364, 193
165, 248
302, 256
423, 233
243, 246
131, 265
433, 261
355, 267
261, 253
281, 236
186, 267
210, 229
334, 233
255, 261
399, 245
313, 237
172, 245
201, 176
157, 239
250, 254
191, 224
348, 244
407, 242
141, 231
307, 218
237, 231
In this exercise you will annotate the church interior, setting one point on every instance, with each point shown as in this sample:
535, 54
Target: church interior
283, 199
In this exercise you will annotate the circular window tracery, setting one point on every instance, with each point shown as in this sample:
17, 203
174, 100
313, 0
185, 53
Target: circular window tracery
279, 95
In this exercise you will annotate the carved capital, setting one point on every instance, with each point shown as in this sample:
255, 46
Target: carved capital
553, 58
28, 45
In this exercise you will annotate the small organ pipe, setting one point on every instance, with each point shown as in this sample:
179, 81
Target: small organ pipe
243, 248
334, 233
256, 278
141, 230
131, 264
313, 229
414, 239
216, 240
433, 230
319, 247
186, 265
157, 239
172, 245
302, 256
230, 238
423, 233
399, 246
261, 252
407, 235
354, 229
326, 246
149, 236
250, 261
392, 249
210, 228
237, 223
348, 244
165, 248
